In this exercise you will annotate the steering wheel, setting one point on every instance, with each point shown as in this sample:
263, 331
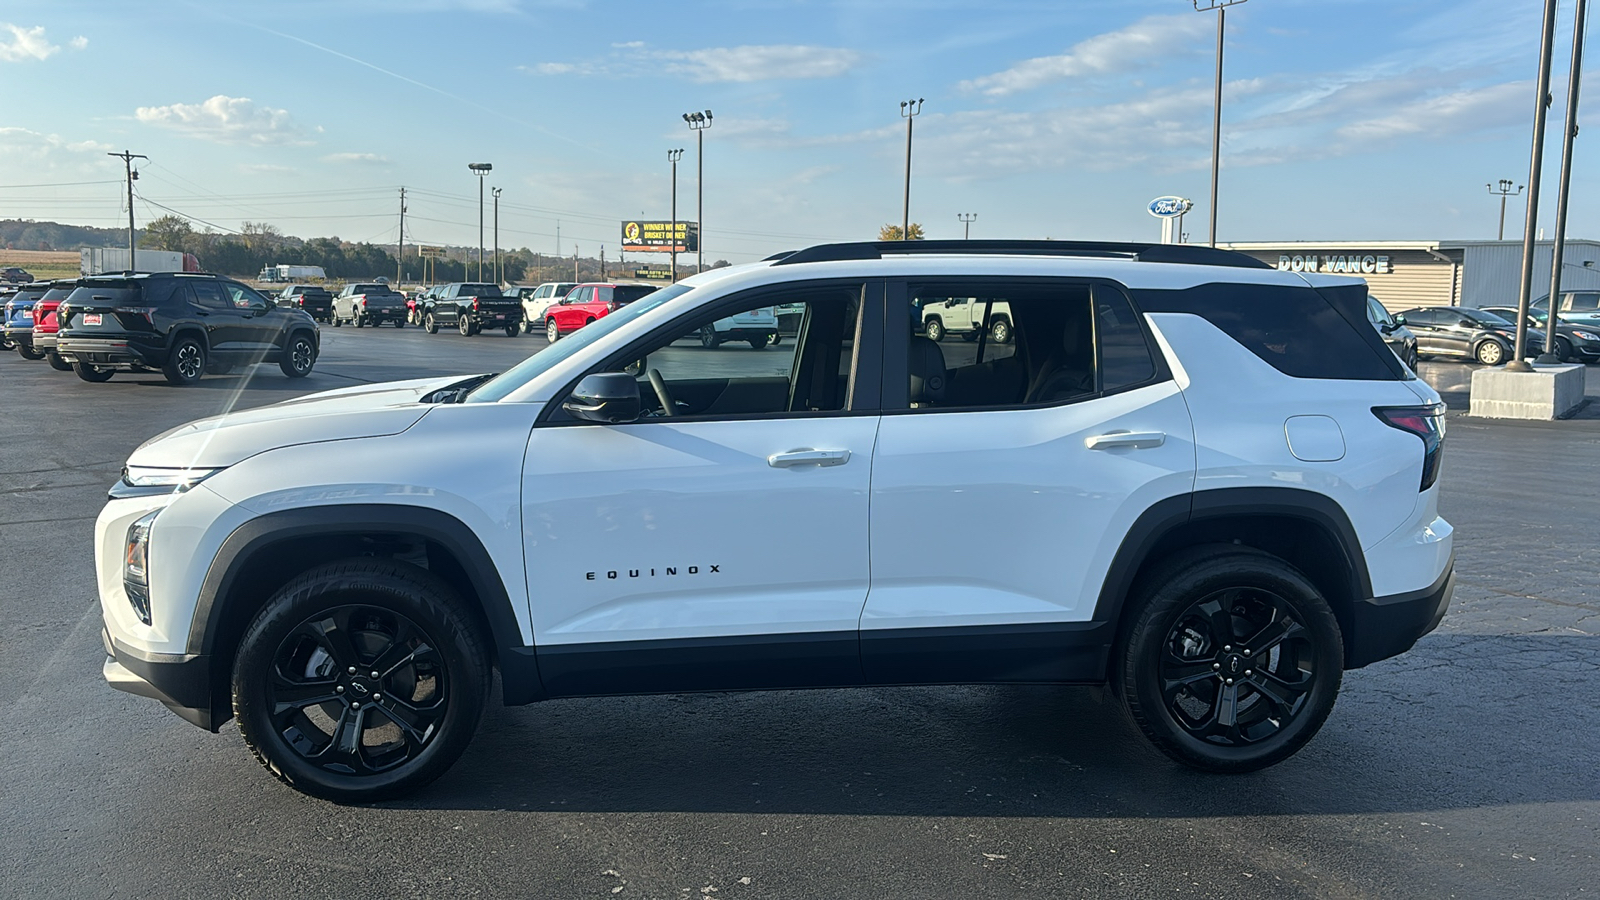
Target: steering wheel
668, 408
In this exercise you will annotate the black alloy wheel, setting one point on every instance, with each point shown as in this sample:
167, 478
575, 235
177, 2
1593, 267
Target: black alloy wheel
1234, 661
56, 362
360, 680
93, 374
186, 362
299, 356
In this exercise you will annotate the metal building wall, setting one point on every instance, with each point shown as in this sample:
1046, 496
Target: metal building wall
1494, 271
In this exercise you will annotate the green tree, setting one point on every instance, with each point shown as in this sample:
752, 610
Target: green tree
167, 233
892, 232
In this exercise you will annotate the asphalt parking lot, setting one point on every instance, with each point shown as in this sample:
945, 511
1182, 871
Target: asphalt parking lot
1469, 767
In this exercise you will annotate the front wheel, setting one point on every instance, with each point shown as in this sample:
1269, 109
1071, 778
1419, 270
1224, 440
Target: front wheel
934, 329
360, 680
552, 331
1563, 350
299, 356
709, 338
56, 362
431, 325
1490, 353
92, 374
1234, 659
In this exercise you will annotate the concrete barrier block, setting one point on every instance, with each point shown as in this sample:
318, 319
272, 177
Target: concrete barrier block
1548, 392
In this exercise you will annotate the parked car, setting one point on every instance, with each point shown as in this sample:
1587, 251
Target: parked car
1397, 336
473, 306
182, 325
1203, 482
1577, 307
316, 301
418, 304
758, 327
588, 302
46, 325
965, 316
6, 293
542, 298
14, 275
1579, 343
369, 303
19, 319
1461, 333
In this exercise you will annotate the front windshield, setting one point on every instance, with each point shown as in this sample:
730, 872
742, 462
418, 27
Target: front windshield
546, 359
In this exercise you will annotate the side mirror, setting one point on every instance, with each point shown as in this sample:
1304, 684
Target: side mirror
607, 397
1399, 319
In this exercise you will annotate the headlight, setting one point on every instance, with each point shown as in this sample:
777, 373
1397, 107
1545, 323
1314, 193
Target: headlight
150, 476
136, 566
1586, 335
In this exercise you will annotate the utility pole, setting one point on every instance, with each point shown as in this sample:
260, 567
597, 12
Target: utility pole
1535, 168
673, 156
1574, 82
499, 277
480, 169
1221, 6
909, 110
400, 260
698, 123
1504, 190
558, 245
602, 262
966, 220
575, 263
127, 165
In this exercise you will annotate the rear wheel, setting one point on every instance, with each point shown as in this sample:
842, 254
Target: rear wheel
759, 343
552, 331
56, 362
1000, 331
512, 330
399, 323
1233, 661
709, 338
358, 320
92, 373
1490, 353
464, 326
29, 353
360, 681
299, 356
186, 362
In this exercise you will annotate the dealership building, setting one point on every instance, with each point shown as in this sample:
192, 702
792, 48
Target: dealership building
1404, 274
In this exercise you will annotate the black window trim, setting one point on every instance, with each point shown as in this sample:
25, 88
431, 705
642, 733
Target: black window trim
897, 345
864, 373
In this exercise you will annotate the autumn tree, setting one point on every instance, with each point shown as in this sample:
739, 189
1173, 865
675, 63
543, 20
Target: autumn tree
892, 233
167, 233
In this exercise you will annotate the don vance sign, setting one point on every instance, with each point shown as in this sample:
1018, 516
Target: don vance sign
1346, 263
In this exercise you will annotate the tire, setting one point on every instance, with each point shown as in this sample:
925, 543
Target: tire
709, 338
934, 329
464, 325
513, 330
970, 336
92, 374
325, 629
358, 320
1000, 331
431, 325
1194, 603
399, 323
1412, 359
1490, 353
30, 353
335, 321
56, 362
1563, 349
299, 356
186, 362
759, 343
552, 331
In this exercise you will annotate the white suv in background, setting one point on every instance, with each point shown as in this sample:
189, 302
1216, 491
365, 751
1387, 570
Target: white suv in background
534, 305
1200, 479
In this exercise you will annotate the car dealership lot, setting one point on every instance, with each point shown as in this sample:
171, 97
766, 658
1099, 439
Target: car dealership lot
1466, 767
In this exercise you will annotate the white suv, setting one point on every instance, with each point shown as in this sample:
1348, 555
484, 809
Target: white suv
1202, 480
542, 298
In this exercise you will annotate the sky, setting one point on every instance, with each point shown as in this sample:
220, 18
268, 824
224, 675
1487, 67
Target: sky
1342, 119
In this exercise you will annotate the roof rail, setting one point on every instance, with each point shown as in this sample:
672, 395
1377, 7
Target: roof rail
1189, 254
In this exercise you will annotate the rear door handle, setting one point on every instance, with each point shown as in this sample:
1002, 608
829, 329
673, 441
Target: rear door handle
808, 457
1126, 439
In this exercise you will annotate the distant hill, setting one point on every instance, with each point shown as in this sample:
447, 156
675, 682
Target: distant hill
21, 234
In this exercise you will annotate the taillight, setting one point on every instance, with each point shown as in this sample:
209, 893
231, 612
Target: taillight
1427, 423
474, 304
143, 312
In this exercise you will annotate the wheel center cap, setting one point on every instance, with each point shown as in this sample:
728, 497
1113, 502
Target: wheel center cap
360, 687
1233, 665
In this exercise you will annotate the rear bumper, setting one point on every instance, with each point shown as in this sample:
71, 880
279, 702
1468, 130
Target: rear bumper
1382, 627
182, 683
20, 336
748, 332
109, 351
44, 341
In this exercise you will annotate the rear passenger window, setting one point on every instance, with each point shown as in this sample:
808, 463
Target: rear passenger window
209, 295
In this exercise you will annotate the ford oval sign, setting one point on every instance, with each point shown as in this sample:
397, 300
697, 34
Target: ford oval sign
1169, 207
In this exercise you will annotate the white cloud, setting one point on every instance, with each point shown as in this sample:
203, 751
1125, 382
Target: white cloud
1144, 43
79, 43
363, 159
266, 169
629, 45
24, 43
226, 120
1447, 114
761, 63
35, 152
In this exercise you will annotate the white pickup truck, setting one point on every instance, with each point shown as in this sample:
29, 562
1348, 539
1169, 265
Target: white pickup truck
964, 316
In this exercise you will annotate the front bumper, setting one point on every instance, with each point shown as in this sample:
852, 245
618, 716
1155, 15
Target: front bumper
1382, 627
183, 683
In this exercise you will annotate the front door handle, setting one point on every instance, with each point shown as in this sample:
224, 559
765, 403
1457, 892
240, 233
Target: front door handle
808, 457
1126, 439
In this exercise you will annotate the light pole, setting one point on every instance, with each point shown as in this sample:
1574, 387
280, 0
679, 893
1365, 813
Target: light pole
498, 279
1574, 81
966, 221
1535, 168
1504, 190
480, 169
698, 123
909, 110
1221, 6
673, 156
